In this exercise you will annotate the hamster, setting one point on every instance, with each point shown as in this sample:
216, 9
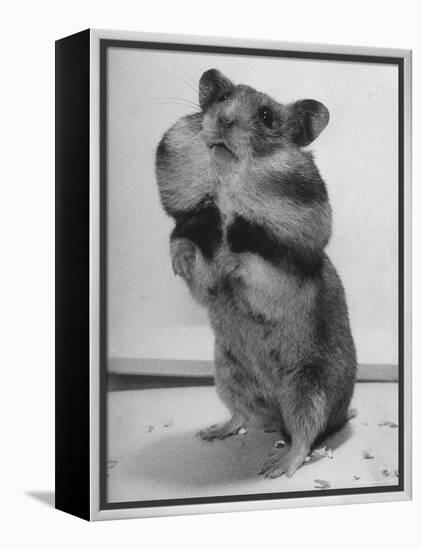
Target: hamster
252, 220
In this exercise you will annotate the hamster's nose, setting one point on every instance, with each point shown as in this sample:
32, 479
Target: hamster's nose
225, 121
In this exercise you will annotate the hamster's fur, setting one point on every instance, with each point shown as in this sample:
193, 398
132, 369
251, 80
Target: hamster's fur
252, 220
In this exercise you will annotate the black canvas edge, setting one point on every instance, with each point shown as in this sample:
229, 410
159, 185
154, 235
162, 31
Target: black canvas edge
359, 58
72, 336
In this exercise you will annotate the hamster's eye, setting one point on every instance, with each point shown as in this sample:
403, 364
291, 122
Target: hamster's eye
266, 116
223, 97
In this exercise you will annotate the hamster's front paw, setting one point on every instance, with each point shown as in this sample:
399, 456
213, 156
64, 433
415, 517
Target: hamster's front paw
182, 257
279, 463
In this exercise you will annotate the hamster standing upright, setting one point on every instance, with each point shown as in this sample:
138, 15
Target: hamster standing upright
252, 220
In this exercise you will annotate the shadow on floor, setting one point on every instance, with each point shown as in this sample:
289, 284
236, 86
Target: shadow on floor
45, 497
336, 440
187, 461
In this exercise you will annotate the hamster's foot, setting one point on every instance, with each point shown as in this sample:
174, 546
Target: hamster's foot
183, 257
223, 430
279, 463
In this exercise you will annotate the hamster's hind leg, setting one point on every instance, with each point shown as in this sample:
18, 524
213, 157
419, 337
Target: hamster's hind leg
304, 409
231, 388
224, 429
280, 461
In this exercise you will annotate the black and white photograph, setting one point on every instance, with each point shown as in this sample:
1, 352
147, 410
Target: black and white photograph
236, 326
252, 291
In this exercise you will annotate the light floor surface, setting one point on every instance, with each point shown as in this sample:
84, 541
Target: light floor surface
153, 451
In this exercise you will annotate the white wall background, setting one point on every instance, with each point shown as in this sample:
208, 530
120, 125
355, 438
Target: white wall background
151, 313
27, 274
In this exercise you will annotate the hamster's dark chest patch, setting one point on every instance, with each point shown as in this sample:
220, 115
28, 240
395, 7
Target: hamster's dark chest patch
246, 236
201, 225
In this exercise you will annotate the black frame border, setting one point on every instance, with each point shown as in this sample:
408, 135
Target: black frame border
105, 44
72, 275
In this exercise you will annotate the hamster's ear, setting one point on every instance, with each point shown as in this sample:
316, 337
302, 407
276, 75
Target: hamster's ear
307, 119
211, 85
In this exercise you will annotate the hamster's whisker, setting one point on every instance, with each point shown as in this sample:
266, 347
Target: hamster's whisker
189, 85
188, 101
192, 107
192, 83
178, 103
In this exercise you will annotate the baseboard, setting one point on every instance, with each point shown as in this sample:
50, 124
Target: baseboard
205, 369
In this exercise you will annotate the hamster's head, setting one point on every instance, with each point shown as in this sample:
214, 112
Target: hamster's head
240, 122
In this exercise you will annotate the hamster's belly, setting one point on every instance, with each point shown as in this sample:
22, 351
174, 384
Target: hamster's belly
249, 379
262, 314
261, 353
